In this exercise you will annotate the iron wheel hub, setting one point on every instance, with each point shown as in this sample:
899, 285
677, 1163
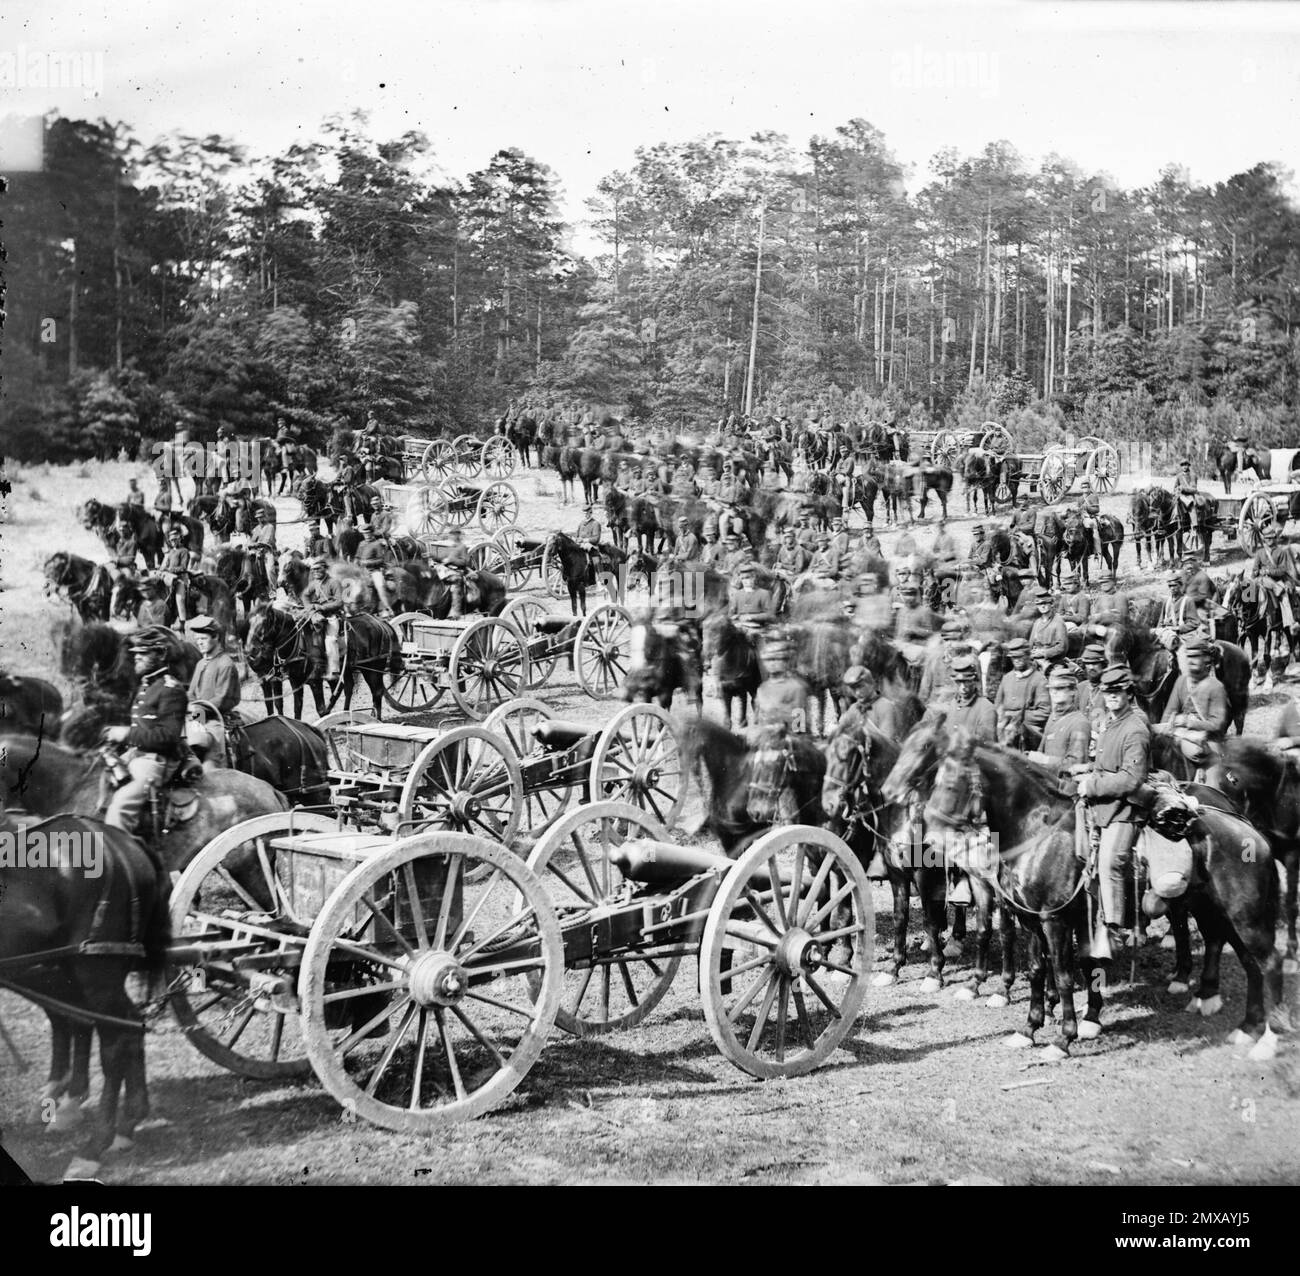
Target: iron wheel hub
437, 979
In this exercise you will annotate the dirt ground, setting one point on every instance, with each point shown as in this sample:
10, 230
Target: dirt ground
925, 1091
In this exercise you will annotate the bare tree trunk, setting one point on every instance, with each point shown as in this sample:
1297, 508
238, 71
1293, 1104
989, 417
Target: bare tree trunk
72, 315
753, 327
893, 322
988, 277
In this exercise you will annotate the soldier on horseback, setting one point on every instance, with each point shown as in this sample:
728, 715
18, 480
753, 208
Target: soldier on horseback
454, 565
1274, 566
179, 562
373, 556
1089, 506
262, 542
1067, 733
1024, 523
1197, 712
588, 537
323, 599
1186, 491
216, 682
1049, 641
792, 558
686, 547
1022, 703
153, 738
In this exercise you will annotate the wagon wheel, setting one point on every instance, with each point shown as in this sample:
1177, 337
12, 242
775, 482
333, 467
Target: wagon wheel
461, 504
946, 449
1088, 442
488, 556
573, 863
514, 722
553, 574
1053, 477
230, 892
466, 781
412, 689
498, 457
1102, 469
544, 650
489, 665
469, 459
997, 438
1257, 512
333, 727
498, 507
471, 972
510, 540
426, 511
602, 650
637, 760
775, 918
438, 461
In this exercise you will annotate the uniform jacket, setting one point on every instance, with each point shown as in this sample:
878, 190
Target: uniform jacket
793, 560
325, 595
158, 715
978, 717
782, 701
1276, 563
216, 680
1204, 702
1050, 633
589, 530
263, 534
686, 548
1121, 767
176, 559
1067, 736
1022, 701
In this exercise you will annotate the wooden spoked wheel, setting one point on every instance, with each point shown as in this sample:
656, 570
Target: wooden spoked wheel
1257, 513
430, 982
553, 574
544, 650
515, 722
411, 689
469, 456
996, 438
488, 556
638, 761
510, 540
333, 726
572, 861
1102, 469
602, 651
438, 462
498, 457
946, 449
426, 512
766, 969
230, 901
498, 507
459, 505
1054, 476
488, 666
466, 781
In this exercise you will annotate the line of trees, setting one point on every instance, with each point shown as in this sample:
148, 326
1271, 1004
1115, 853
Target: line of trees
185, 283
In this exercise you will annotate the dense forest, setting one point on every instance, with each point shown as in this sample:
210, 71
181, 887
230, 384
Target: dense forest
189, 283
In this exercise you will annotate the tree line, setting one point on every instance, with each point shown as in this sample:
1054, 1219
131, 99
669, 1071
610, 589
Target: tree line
187, 283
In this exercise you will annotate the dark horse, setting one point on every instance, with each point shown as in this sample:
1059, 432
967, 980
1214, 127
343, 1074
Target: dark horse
1260, 624
372, 649
579, 568
86, 586
665, 659
279, 647
725, 759
29, 706
733, 656
53, 915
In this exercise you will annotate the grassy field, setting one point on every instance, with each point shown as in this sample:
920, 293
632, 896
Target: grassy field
924, 1092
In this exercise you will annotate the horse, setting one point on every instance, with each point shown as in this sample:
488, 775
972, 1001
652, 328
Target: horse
980, 475
1049, 537
732, 655
1259, 622
725, 760
566, 464
100, 518
371, 649
578, 567
1165, 518
280, 648
1206, 516
1078, 545
315, 497
191, 527
87, 586
244, 572
822, 642
28, 703
68, 941
665, 659
1230, 459
1144, 521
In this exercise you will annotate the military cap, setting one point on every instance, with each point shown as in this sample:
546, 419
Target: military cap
856, 674
979, 527
1094, 653
154, 638
1117, 678
953, 627
1195, 645
1017, 647
175, 533
1239, 438
964, 669
1063, 676
203, 625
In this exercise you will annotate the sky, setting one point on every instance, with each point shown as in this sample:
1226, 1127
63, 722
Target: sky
1122, 88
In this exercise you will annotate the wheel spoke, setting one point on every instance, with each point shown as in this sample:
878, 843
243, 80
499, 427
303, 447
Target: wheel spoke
444, 906
582, 991
500, 1005
774, 876
774, 980
823, 871
627, 983
751, 992
245, 1019
417, 913
467, 922
366, 1029
760, 912
452, 1065
472, 1028
372, 1084
825, 1000
782, 1010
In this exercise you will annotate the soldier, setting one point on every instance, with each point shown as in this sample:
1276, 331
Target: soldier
588, 536
1049, 641
944, 548
1067, 734
914, 622
1199, 701
1022, 704
153, 607
686, 548
1089, 507
216, 681
752, 606
981, 549
284, 443
711, 555
870, 711
1185, 489
1024, 524
871, 542
373, 556
1274, 567
791, 559
1074, 606
153, 739
840, 540
318, 546
1120, 769
732, 553
381, 519
262, 541
972, 711
805, 533
824, 568
454, 566
323, 599
1202, 592
782, 699
134, 496
1178, 610
1089, 699
937, 685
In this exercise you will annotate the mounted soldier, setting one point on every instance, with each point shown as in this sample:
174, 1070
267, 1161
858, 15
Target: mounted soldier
792, 558
215, 681
1274, 566
178, 564
685, 552
1024, 525
453, 566
1089, 507
1049, 640
1067, 733
712, 551
972, 711
588, 537
1022, 703
1187, 493
1197, 713
153, 739
373, 555
323, 599
262, 541
1089, 698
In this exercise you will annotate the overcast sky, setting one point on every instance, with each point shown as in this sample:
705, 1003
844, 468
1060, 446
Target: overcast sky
579, 84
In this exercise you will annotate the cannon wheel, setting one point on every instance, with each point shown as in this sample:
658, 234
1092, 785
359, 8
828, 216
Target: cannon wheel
328, 726
511, 542
459, 1031
553, 574
466, 781
1257, 512
410, 689
572, 861
770, 931
514, 722
228, 887
602, 650
1102, 468
438, 462
469, 456
946, 449
489, 665
497, 507
997, 439
459, 505
426, 512
524, 613
638, 761
498, 457
489, 556
1053, 476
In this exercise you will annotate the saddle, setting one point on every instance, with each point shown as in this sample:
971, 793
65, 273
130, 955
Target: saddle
1162, 846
